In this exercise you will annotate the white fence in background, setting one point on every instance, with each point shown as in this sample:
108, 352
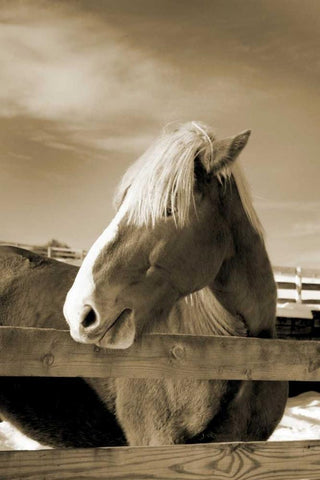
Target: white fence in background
69, 255
298, 285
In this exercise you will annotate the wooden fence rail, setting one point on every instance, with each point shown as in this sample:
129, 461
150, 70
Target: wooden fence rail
233, 461
45, 352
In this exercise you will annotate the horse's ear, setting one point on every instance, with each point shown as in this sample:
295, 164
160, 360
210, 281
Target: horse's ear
227, 150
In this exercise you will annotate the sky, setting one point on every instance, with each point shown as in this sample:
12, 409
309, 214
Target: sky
85, 86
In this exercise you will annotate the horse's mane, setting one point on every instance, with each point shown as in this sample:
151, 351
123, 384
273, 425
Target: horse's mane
163, 177
199, 313
203, 314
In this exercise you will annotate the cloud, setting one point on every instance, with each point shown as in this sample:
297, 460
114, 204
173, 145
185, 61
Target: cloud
309, 258
88, 143
304, 229
64, 63
94, 91
63, 66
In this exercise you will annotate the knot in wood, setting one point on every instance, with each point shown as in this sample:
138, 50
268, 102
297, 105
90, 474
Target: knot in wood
314, 365
48, 359
178, 352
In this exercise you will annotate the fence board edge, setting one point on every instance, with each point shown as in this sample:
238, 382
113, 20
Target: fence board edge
259, 460
49, 352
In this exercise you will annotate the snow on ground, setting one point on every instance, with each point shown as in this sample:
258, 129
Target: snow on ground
12, 439
301, 421
296, 310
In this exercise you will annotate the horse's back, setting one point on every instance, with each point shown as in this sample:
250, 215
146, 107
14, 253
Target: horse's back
33, 288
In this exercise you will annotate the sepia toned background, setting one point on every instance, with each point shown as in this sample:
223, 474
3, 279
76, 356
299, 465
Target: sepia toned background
85, 86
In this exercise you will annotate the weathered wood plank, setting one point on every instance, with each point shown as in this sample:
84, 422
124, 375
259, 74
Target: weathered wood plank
258, 461
45, 352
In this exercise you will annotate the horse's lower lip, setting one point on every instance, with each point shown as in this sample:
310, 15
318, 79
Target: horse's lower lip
123, 315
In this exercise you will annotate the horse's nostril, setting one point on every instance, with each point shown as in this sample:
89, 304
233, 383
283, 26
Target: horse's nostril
89, 319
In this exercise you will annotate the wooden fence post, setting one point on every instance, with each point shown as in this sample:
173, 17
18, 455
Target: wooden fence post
298, 279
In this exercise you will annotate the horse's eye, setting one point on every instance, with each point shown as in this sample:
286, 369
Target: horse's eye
170, 211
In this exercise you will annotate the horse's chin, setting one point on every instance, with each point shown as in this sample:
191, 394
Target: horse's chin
121, 335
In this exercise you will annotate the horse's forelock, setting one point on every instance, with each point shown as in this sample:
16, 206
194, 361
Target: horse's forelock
163, 177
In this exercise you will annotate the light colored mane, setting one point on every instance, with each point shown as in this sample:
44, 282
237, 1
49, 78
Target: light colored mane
200, 313
203, 314
163, 177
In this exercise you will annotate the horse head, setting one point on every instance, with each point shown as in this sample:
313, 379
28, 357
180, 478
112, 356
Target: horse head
170, 236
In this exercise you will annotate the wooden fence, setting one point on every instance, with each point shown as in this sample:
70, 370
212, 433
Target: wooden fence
69, 255
45, 352
298, 285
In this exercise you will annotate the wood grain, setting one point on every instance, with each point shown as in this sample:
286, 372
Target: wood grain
45, 352
236, 461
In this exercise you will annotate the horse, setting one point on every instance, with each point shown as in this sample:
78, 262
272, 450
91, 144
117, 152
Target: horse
57, 412
184, 254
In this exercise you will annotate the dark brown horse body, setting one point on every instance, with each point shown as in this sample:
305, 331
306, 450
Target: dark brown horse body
54, 411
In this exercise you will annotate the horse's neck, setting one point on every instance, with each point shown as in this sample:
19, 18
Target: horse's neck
245, 284
201, 314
